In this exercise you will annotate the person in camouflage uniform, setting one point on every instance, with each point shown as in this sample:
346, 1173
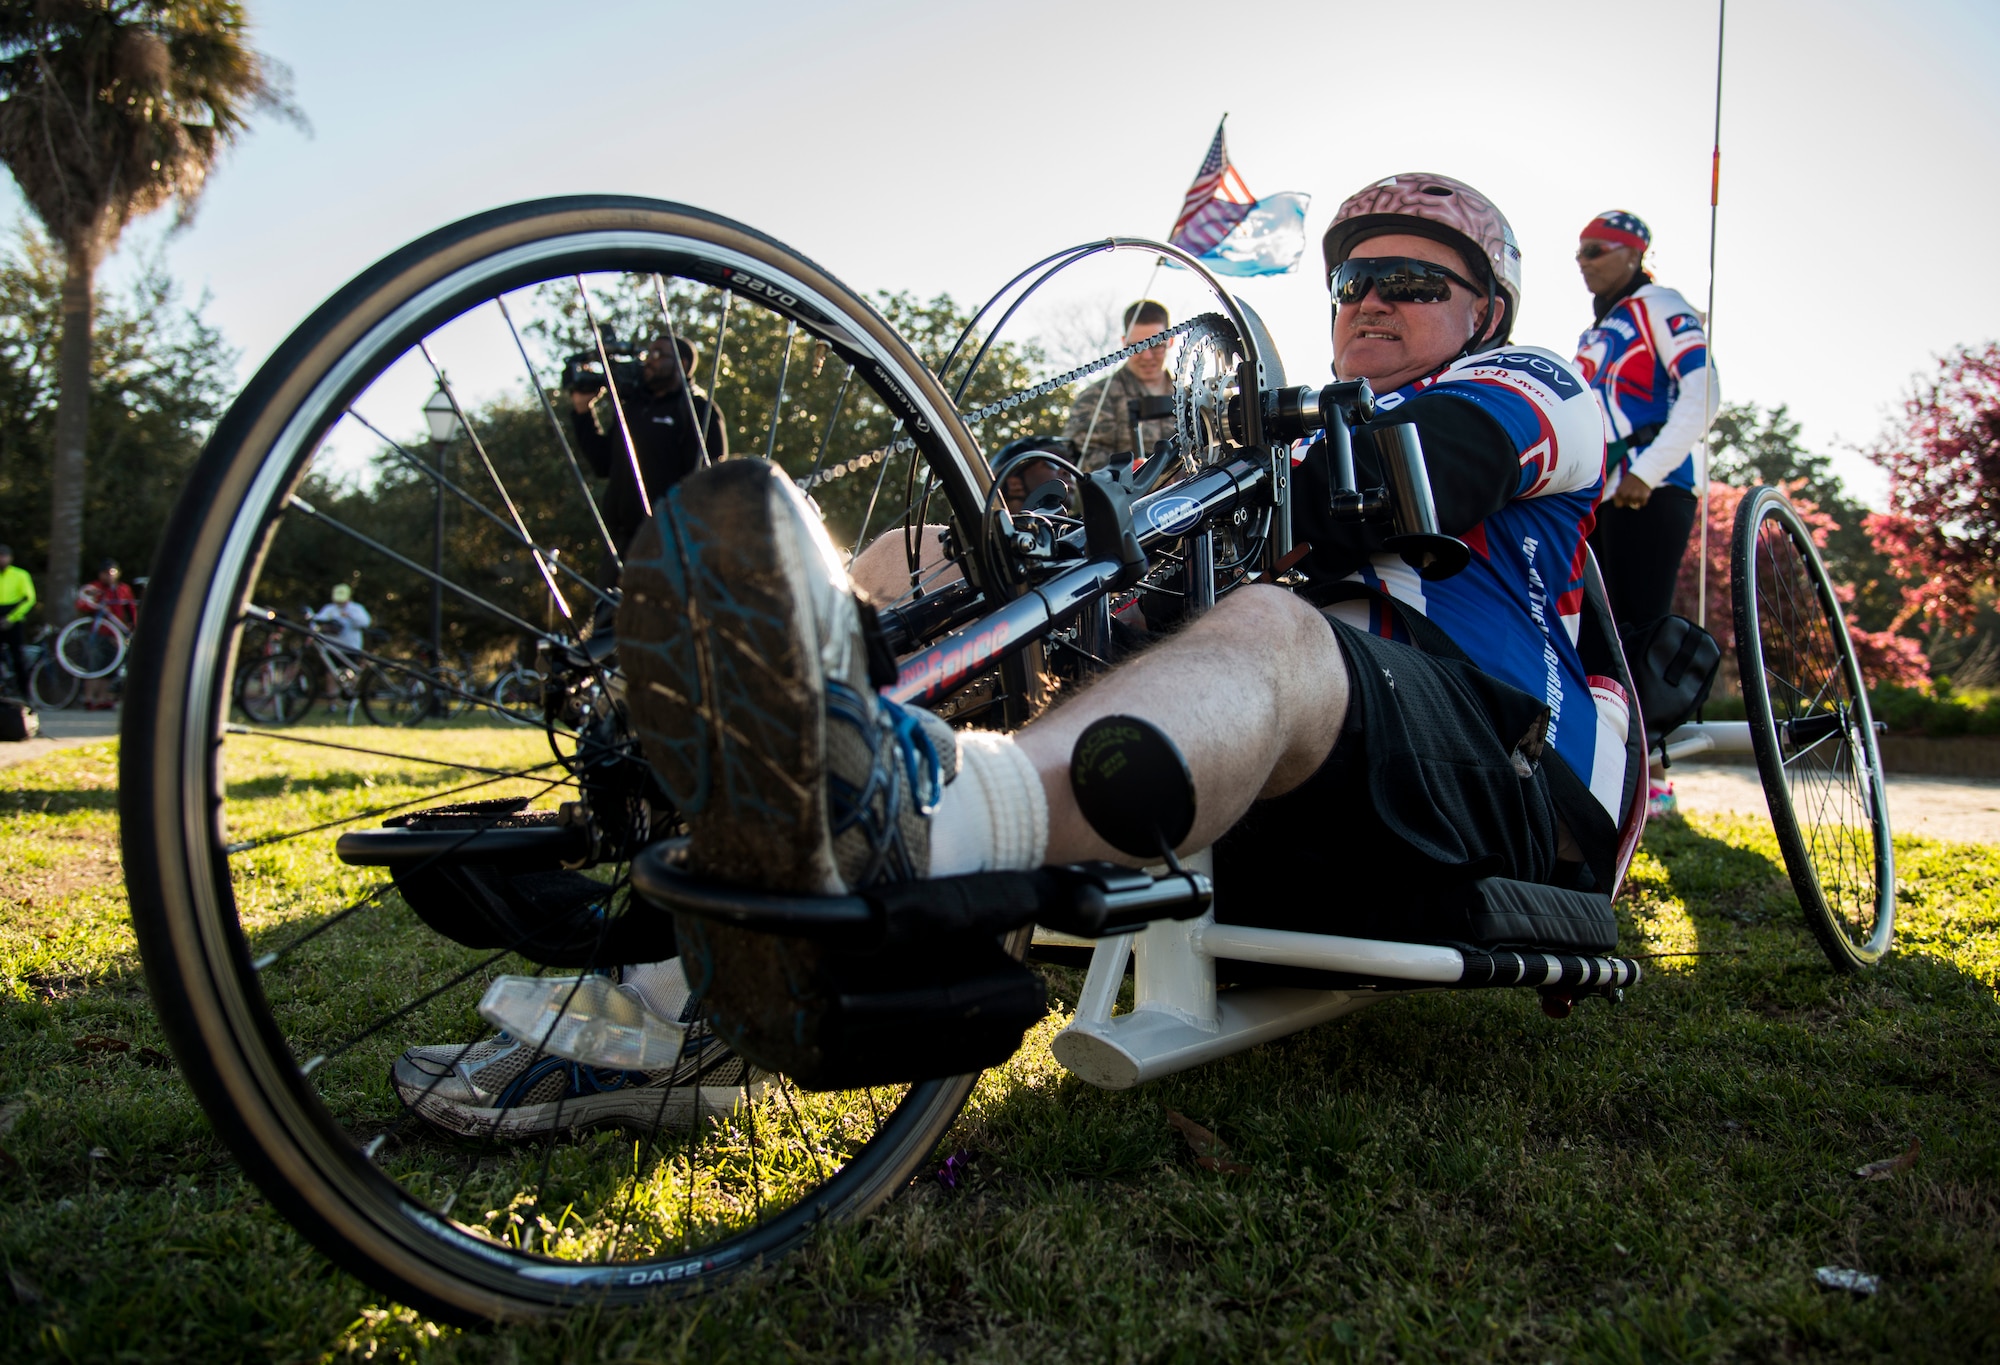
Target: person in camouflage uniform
1100, 425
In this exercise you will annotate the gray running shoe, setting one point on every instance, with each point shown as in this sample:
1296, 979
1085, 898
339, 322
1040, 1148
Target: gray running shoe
505, 1088
747, 679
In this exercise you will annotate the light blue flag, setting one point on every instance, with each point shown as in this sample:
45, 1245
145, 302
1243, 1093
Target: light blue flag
1269, 241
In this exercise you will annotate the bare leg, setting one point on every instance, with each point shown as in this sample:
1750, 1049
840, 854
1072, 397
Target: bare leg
1254, 693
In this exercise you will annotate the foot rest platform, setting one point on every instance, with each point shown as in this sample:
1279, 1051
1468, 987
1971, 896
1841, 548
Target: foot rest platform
1089, 900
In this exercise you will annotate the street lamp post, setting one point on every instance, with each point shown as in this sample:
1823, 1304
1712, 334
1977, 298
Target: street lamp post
442, 418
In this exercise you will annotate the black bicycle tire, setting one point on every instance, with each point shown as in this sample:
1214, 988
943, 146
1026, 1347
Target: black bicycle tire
197, 961
41, 697
248, 670
499, 690
363, 689
1769, 504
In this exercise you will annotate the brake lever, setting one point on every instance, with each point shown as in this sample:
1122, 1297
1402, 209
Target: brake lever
1107, 527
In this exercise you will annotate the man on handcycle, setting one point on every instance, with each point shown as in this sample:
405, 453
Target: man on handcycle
1352, 745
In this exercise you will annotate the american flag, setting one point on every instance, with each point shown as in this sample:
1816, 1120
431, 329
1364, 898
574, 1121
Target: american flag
1216, 202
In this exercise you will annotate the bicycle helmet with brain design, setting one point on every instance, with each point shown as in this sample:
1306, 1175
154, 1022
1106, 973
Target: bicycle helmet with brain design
1443, 209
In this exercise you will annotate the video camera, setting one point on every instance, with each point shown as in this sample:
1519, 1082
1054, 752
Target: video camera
584, 371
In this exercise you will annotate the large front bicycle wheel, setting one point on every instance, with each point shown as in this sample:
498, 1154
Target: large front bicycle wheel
1812, 732
289, 981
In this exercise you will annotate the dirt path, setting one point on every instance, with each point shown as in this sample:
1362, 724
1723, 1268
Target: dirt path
61, 729
1962, 808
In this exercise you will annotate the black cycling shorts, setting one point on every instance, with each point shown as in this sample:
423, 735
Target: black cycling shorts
1423, 791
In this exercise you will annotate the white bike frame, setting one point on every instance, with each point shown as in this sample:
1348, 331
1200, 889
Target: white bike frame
1178, 1017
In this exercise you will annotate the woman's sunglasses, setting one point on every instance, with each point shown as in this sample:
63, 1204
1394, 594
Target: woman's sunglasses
1590, 251
1396, 279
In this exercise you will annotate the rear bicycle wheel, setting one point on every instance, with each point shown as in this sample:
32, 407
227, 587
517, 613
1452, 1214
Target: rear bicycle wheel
288, 1004
518, 695
391, 696
51, 687
274, 690
1812, 731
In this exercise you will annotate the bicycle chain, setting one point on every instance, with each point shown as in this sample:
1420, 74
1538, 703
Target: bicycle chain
1215, 322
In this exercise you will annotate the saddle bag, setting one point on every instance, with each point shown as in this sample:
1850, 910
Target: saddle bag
1673, 663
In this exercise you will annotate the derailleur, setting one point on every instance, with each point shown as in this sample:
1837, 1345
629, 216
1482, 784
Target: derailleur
620, 806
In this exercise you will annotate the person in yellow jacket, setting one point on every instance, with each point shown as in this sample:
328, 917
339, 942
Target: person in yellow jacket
17, 599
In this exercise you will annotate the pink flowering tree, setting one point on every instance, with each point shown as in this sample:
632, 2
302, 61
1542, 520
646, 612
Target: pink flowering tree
1942, 530
1884, 656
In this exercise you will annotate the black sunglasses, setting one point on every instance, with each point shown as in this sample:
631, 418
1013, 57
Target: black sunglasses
1396, 279
1590, 251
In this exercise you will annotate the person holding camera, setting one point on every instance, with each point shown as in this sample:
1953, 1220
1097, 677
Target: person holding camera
675, 429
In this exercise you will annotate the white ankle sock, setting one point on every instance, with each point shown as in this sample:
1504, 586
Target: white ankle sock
993, 816
661, 986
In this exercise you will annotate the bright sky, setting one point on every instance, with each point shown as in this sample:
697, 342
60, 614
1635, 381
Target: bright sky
937, 145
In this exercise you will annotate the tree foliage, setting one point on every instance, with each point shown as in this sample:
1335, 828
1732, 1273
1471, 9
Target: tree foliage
115, 108
844, 438
1942, 529
166, 374
110, 109
1762, 446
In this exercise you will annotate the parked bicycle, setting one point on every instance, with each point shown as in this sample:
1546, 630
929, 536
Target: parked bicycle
727, 1172
48, 685
92, 648
517, 693
299, 668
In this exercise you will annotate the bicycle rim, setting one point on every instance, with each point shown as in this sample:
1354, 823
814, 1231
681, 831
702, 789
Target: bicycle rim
51, 686
1813, 733
91, 647
287, 1015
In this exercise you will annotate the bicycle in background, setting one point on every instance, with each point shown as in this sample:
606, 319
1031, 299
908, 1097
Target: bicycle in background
282, 683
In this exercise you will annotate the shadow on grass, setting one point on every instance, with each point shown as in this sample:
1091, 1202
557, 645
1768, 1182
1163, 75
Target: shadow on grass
340, 780
57, 800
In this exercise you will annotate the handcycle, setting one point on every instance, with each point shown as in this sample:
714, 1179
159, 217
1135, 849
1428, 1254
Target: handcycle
286, 1045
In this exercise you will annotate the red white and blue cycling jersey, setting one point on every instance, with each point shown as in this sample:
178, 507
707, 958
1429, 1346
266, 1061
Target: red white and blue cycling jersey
1648, 360
1515, 610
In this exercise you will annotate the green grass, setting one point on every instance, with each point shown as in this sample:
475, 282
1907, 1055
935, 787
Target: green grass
1440, 1177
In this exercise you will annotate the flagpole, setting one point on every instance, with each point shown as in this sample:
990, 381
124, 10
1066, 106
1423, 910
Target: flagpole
1145, 293
1708, 321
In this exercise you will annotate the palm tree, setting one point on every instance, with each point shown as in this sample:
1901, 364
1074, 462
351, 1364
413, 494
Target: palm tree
109, 109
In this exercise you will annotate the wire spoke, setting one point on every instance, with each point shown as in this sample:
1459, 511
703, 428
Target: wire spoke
778, 399
499, 486
826, 436
430, 472
562, 437
685, 379
617, 403
428, 575
248, 732
247, 845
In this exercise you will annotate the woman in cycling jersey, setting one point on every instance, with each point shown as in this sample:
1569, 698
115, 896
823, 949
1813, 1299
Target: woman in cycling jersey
1646, 355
